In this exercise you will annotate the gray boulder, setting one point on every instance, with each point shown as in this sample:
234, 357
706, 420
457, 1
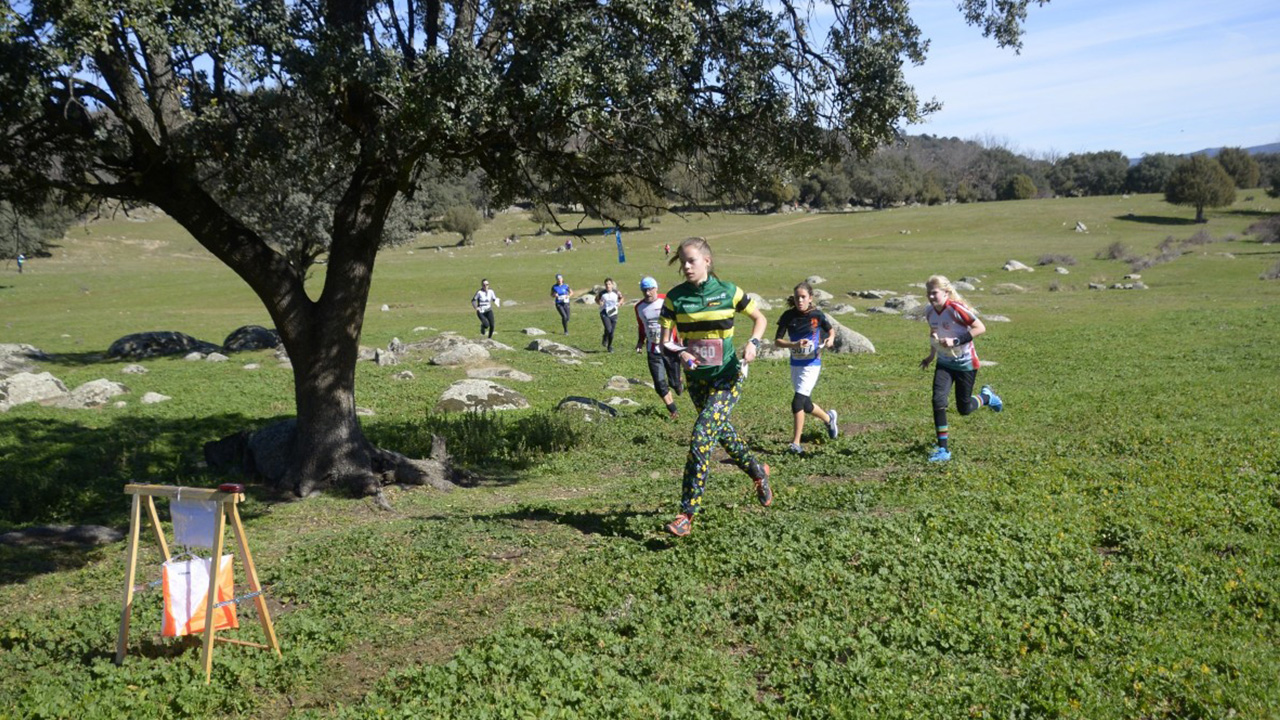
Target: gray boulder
883, 311
151, 398
815, 279
92, 394
624, 384
821, 296
587, 409
902, 303
465, 354
847, 341
19, 357
29, 387
492, 345
1015, 266
533, 331
385, 358
251, 337
473, 395
764, 305
144, 345
552, 347
216, 357
133, 370
499, 373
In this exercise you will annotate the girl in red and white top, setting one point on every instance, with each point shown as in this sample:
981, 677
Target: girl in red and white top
952, 327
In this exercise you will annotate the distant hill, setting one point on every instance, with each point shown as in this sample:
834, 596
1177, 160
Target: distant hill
1255, 150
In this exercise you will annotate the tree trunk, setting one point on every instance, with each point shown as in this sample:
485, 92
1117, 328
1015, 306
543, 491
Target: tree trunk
328, 449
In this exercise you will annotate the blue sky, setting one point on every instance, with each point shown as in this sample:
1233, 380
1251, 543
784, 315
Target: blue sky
1138, 76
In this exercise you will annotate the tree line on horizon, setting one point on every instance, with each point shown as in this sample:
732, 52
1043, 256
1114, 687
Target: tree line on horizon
920, 169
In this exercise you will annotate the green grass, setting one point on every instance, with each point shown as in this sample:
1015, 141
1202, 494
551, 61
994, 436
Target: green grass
1106, 547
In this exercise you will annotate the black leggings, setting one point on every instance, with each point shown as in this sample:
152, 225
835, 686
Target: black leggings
486, 321
943, 377
610, 322
664, 368
563, 309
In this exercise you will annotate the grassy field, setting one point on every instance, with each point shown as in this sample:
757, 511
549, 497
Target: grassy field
1106, 547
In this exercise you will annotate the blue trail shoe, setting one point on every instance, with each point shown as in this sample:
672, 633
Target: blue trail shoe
940, 454
832, 428
993, 400
795, 449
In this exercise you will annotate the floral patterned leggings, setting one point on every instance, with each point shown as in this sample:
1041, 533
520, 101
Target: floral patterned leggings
714, 399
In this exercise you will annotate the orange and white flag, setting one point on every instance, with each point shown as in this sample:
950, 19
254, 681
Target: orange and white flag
186, 593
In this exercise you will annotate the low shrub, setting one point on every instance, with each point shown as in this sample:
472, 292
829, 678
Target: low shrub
1267, 231
1115, 251
1055, 259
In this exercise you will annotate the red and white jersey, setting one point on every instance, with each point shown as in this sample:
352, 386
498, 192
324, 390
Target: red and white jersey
650, 329
954, 319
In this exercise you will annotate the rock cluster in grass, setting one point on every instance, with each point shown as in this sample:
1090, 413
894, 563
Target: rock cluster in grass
478, 395
587, 409
19, 357
140, 346
555, 349
251, 337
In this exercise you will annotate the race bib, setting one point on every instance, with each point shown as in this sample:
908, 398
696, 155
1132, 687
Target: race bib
710, 352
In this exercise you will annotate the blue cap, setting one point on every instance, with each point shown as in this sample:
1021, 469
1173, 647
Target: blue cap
648, 283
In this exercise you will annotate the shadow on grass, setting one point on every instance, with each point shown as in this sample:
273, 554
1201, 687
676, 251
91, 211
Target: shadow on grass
59, 471
603, 523
1249, 213
1156, 220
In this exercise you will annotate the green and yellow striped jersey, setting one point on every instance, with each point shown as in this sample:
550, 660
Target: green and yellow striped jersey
703, 315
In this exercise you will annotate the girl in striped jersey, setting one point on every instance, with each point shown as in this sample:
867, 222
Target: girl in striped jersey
702, 310
952, 327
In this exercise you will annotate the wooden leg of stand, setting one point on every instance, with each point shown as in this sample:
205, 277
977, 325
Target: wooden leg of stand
206, 657
251, 572
131, 568
155, 524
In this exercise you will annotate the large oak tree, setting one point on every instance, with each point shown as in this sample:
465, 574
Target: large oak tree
184, 104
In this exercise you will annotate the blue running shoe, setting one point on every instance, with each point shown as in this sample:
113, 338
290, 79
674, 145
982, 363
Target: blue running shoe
832, 428
940, 455
993, 400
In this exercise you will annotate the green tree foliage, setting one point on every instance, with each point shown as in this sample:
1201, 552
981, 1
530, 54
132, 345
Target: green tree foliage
542, 215
776, 193
628, 198
1019, 187
28, 231
1242, 168
162, 103
1269, 172
464, 220
1200, 181
1151, 173
825, 189
1095, 173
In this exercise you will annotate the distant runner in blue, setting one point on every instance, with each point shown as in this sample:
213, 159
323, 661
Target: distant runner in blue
562, 293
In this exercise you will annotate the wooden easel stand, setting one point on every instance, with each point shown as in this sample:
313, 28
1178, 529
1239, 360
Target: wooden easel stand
228, 512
